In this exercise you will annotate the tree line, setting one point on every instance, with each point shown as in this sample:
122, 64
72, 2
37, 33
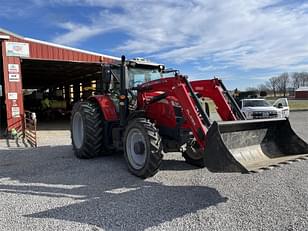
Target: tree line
280, 84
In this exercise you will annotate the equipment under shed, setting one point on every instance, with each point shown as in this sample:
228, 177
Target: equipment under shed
43, 77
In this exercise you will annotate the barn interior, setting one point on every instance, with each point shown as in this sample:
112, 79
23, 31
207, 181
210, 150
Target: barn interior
51, 88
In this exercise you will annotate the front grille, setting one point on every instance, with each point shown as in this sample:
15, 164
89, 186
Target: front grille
264, 115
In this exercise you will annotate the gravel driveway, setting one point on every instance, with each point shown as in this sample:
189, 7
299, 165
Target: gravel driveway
49, 189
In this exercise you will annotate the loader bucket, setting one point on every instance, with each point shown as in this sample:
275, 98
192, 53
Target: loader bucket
252, 145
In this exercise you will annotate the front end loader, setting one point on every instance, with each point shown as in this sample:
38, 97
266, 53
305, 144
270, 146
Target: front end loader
145, 111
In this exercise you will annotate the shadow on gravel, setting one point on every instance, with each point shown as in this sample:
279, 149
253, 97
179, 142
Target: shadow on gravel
101, 192
176, 165
63, 124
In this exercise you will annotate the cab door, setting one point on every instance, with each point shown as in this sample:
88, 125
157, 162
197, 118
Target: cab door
282, 105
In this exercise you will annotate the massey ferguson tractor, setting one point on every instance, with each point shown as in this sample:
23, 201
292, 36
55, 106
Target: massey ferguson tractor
145, 111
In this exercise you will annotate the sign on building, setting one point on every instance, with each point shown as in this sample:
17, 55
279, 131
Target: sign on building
15, 112
13, 68
14, 77
17, 49
12, 95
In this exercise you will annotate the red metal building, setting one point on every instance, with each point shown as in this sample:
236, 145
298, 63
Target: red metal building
301, 93
27, 63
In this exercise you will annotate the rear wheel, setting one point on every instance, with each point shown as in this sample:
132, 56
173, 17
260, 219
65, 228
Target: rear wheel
142, 148
87, 130
194, 156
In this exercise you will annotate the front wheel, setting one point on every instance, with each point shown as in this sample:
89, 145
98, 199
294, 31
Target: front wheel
193, 155
142, 148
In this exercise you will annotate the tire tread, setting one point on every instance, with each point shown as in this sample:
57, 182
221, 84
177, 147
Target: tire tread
155, 156
93, 145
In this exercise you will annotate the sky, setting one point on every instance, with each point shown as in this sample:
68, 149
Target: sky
243, 42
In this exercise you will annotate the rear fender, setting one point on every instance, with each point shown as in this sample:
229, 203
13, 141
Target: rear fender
107, 106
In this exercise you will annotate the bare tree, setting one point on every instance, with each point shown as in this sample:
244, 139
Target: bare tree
296, 80
283, 81
263, 87
303, 78
280, 84
272, 84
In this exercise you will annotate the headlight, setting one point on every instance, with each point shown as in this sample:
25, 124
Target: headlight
279, 114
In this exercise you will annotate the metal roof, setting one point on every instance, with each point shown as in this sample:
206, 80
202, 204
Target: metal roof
57, 45
302, 89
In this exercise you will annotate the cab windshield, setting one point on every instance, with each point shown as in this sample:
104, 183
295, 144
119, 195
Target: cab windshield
139, 76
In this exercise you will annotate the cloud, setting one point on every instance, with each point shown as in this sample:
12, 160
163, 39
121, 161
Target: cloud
211, 67
247, 34
76, 33
13, 10
260, 77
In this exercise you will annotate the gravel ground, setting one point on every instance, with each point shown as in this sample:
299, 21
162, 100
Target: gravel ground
48, 189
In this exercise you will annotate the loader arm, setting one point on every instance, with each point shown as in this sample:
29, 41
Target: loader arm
180, 88
216, 91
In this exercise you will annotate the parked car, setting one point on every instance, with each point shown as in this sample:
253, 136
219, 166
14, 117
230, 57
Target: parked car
262, 109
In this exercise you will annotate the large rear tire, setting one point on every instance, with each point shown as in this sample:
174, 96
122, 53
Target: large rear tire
87, 130
142, 148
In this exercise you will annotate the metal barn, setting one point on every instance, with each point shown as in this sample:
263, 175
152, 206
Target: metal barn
29, 66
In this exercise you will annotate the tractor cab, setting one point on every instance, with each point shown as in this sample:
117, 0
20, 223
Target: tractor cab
137, 72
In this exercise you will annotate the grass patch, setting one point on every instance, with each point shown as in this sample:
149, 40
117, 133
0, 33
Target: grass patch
295, 104
298, 104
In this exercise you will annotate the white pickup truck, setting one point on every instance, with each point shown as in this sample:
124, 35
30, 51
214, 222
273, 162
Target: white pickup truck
261, 109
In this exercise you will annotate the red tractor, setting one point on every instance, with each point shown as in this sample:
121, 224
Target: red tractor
146, 111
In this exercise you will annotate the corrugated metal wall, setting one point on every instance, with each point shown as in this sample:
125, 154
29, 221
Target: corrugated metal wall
42, 51
301, 94
11, 88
